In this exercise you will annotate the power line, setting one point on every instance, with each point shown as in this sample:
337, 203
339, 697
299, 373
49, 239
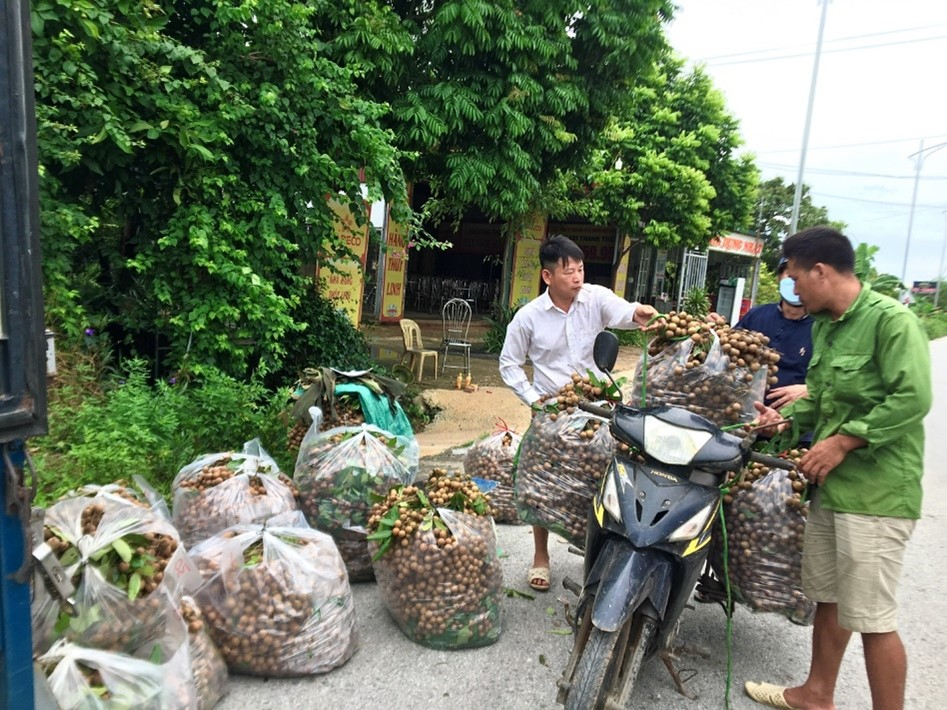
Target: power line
855, 145
756, 52
850, 173
875, 202
825, 51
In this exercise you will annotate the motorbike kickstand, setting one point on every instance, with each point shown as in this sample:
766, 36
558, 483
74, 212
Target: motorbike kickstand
680, 676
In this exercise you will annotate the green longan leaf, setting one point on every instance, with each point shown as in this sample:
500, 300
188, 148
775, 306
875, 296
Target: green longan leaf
134, 586
122, 549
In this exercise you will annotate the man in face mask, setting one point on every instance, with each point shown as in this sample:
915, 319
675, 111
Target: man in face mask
789, 328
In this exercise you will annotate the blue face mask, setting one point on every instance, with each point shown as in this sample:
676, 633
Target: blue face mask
786, 286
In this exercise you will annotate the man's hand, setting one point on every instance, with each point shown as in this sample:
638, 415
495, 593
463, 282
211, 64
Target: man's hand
644, 313
819, 461
779, 397
767, 420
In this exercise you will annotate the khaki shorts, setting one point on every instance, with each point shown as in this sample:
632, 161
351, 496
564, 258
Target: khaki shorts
855, 561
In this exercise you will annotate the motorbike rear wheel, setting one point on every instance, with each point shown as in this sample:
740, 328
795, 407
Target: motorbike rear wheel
609, 666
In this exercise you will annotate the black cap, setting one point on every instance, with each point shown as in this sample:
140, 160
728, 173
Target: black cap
782, 264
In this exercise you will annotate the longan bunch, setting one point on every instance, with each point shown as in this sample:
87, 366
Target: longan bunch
582, 388
765, 513
438, 573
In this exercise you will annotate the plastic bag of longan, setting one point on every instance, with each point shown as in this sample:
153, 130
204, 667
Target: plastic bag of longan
120, 604
340, 472
218, 490
208, 667
765, 528
492, 459
93, 679
562, 459
443, 586
276, 600
699, 376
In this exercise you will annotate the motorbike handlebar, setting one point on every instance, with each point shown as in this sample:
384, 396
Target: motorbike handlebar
596, 410
772, 461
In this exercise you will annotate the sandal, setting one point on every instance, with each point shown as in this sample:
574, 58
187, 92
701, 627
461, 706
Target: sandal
538, 578
768, 694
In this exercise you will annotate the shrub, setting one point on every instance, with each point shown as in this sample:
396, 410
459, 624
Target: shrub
499, 319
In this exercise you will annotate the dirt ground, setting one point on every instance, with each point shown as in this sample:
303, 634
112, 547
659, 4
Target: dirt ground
465, 417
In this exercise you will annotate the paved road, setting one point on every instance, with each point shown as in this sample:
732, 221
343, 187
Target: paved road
519, 672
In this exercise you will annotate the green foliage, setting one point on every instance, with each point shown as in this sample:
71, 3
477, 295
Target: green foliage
499, 97
667, 170
934, 322
768, 289
185, 151
635, 338
865, 270
499, 319
696, 302
326, 339
773, 214
104, 426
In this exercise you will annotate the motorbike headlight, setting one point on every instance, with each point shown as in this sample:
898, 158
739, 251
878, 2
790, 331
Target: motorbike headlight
610, 496
672, 444
692, 528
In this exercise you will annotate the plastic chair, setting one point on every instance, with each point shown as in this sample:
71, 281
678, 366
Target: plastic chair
455, 317
414, 347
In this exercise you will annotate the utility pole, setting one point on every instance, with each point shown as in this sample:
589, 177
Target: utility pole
797, 196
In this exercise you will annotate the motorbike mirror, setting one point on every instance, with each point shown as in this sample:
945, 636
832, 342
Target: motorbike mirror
605, 351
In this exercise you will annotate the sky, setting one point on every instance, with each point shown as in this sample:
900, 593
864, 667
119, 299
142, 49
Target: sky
880, 91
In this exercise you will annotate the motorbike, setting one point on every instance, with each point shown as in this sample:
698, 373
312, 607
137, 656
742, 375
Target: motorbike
649, 534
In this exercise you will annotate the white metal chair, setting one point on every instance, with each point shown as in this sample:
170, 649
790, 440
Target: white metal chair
414, 347
455, 317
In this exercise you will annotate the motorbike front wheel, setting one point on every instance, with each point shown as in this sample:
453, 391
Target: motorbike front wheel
609, 666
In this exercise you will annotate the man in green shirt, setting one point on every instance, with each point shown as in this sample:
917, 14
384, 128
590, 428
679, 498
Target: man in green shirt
869, 385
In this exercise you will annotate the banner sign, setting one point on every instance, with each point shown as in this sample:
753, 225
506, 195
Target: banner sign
344, 282
526, 267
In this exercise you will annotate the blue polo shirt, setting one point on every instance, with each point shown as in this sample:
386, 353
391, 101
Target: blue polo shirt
792, 339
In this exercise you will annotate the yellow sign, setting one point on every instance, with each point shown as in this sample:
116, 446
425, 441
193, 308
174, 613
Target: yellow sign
393, 277
342, 284
526, 266
621, 270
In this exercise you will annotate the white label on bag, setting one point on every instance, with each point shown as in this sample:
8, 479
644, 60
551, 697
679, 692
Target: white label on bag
182, 571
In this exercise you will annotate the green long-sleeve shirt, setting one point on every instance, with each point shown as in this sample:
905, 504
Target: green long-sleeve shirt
870, 377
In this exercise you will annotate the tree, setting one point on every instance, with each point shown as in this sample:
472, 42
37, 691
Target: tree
500, 97
186, 152
865, 270
667, 171
774, 215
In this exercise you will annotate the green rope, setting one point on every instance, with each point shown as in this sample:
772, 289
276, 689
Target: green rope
729, 610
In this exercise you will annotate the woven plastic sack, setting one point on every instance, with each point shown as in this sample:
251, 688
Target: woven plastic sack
561, 461
339, 473
92, 679
765, 538
277, 600
121, 604
717, 388
492, 459
219, 490
444, 596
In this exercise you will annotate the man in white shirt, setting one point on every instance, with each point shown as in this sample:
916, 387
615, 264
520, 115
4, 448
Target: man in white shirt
556, 332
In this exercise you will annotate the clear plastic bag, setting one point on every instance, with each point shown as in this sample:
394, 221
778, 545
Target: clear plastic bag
207, 664
492, 459
561, 461
117, 555
92, 679
708, 383
277, 600
765, 529
219, 490
444, 595
339, 472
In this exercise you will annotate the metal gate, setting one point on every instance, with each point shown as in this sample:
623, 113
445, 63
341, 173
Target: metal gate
693, 273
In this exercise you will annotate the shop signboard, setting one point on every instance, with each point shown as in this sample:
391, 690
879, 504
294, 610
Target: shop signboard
621, 270
526, 267
393, 276
733, 243
924, 288
341, 279
597, 242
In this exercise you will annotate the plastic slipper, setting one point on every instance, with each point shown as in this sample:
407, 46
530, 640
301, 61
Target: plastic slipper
538, 578
768, 694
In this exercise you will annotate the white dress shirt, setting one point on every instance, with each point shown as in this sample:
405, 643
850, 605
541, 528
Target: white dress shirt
559, 343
